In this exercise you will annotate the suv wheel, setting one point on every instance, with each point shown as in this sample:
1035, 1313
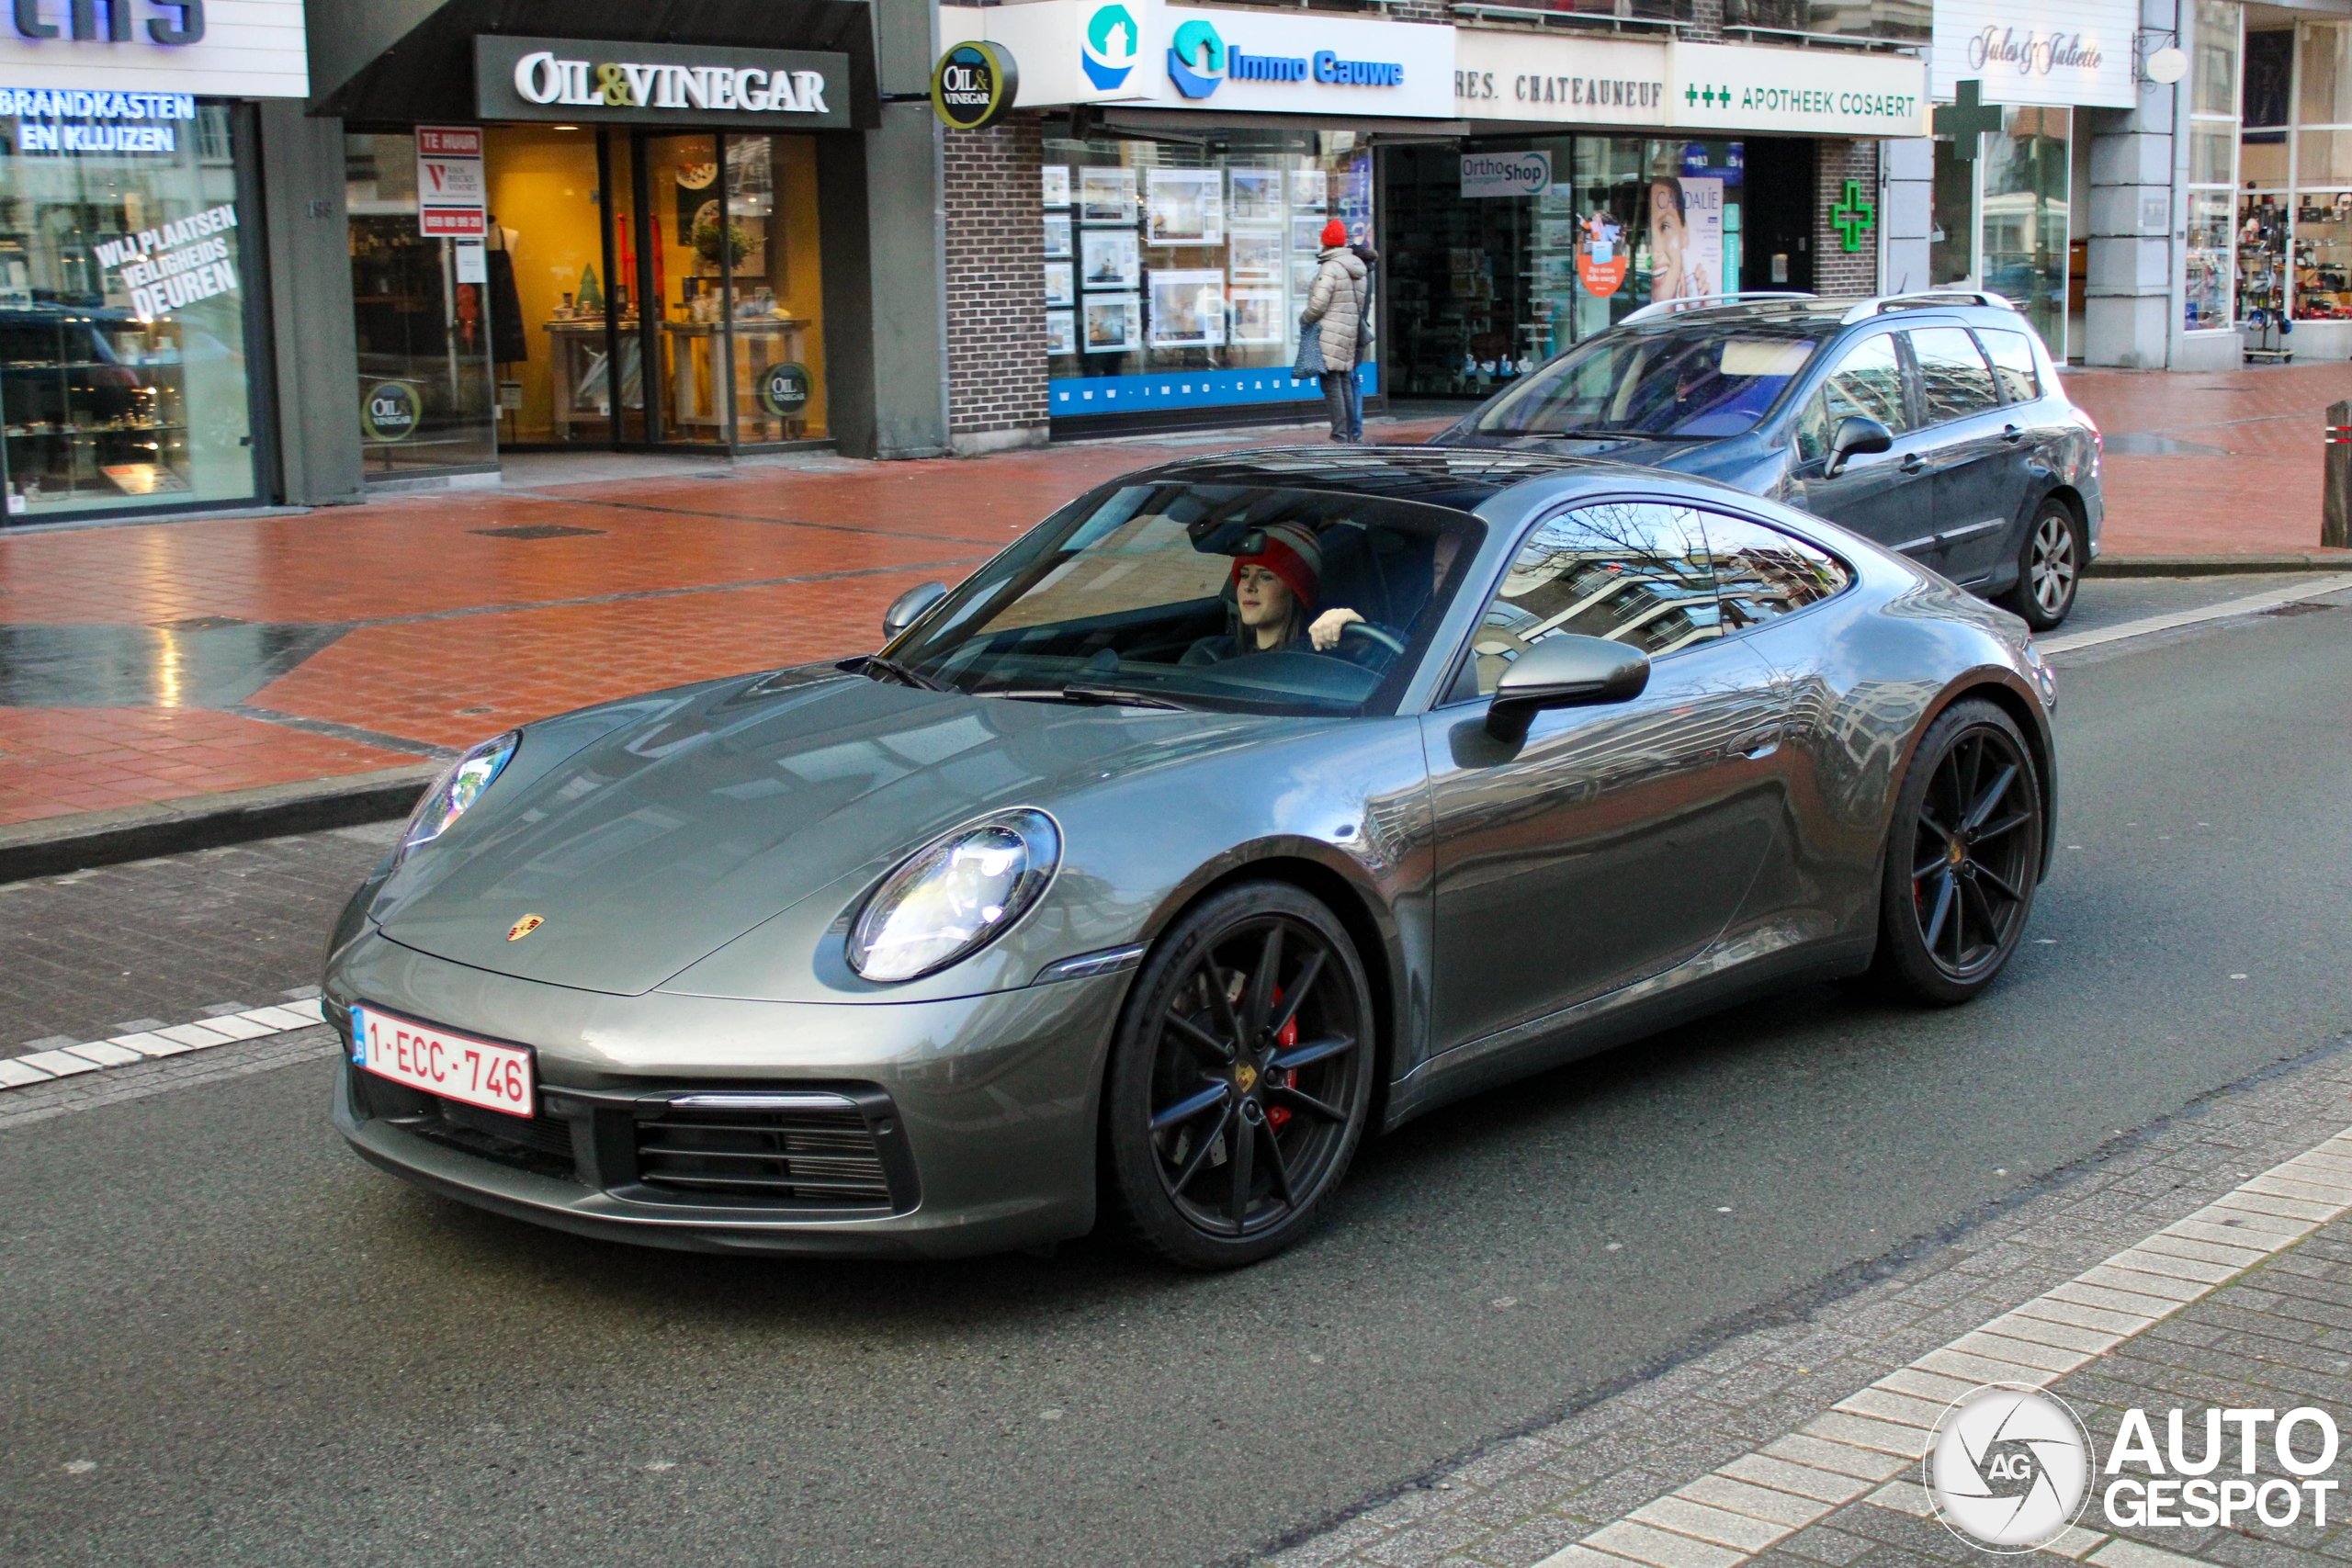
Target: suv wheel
2050, 566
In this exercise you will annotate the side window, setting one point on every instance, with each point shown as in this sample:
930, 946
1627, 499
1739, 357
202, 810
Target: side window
1867, 380
2013, 365
1762, 573
1954, 380
1634, 572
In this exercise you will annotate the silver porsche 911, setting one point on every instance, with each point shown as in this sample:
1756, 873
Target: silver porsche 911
1245, 806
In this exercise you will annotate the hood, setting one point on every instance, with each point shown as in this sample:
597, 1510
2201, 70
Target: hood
1350, 263
668, 837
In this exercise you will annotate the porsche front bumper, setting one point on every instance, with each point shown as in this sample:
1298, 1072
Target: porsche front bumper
931, 1129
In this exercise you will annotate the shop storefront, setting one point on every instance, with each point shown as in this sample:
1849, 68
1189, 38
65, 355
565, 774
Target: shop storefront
2011, 155
132, 365
1185, 199
1603, 176
2279, 94
620, 249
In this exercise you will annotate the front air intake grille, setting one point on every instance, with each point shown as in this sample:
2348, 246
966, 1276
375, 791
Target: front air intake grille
539, 1143
811, 1157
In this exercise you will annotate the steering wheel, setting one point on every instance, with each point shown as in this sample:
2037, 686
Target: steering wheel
1378, 635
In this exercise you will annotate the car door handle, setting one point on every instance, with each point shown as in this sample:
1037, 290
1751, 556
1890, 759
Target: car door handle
2012, 435
1912, 462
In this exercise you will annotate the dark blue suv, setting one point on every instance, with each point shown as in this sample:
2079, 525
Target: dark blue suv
1932, 423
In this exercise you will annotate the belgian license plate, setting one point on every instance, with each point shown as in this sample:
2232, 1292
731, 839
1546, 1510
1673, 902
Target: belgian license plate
440, 1060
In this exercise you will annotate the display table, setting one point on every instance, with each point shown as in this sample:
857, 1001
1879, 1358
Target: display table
580, 374
695, 376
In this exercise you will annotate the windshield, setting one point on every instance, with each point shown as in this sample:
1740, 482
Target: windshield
1687, 382
1254, 598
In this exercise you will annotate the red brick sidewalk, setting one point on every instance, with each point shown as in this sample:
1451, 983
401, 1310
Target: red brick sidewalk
154, 662
2245, 476
417, 623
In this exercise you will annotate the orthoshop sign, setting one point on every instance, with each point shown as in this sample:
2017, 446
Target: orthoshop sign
1506, 174
559, 79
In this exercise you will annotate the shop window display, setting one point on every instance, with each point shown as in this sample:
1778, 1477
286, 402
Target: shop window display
1485, 289
2027, 168
2213, 87
426, 337
1163, 260
123, 376
2323, 256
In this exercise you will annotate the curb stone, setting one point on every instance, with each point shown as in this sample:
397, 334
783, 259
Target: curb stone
51, 846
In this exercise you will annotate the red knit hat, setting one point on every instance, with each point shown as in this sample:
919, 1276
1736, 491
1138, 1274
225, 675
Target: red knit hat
1294, 555
1334, 233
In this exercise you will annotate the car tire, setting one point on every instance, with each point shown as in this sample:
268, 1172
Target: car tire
2050, 566
1963, 852
1240, 1079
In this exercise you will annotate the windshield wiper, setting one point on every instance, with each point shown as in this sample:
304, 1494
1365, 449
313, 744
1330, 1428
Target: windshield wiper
899, 673
1562, 434
1088, 692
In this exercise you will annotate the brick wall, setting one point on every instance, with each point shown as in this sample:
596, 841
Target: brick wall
996, 287
1836, 270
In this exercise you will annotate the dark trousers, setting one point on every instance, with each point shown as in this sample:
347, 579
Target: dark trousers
1344, 400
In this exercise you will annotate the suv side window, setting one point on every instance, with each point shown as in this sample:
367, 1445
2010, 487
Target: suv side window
1954, 380
1635, 572
2013, 365
1867, 380
1762, 574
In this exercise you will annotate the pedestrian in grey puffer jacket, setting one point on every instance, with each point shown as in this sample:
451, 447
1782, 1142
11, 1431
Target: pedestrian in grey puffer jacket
1335, 305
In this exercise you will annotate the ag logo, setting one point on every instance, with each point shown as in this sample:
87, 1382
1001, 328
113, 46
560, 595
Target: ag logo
2010, 1467
1110, 45
1196, 60
784, 390
391, 411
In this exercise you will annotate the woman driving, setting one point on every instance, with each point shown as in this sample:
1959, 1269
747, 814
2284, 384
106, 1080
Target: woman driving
1274, 593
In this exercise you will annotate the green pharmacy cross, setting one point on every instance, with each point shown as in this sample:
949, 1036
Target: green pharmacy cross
1853, 216
1710, 97
1967, 120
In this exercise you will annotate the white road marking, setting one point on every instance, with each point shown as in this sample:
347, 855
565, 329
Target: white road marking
2070, 641
1745, 1507
122, 1050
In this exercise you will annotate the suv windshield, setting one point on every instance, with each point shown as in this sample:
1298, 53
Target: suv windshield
1691, 382
1241, 597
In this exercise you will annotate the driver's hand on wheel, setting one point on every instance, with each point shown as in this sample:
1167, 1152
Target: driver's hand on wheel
1323, 632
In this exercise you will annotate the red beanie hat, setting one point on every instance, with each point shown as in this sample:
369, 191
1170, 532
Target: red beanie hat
1294, 555
1334, 233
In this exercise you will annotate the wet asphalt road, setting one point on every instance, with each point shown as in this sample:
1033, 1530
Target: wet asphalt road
266, 1353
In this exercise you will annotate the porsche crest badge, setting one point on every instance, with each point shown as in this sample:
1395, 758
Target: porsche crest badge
1246, 1076
525, 927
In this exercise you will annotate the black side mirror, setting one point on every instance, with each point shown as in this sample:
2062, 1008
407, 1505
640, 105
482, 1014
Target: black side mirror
1563, 670
909, 607
1855, 436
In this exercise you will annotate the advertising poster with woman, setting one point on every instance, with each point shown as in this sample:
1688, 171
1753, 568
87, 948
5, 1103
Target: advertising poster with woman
1686, 237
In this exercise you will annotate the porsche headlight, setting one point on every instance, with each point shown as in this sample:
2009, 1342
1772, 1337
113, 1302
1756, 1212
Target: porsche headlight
954, 896
457, 789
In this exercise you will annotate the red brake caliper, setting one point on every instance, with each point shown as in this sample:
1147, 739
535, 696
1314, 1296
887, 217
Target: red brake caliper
1278, 1116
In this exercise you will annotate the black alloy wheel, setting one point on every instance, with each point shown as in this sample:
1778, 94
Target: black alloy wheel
1963, 857
2050, 566
1241, 1078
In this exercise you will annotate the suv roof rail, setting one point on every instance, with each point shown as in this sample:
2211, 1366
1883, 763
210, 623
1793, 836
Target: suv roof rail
1667, 306
1883, 303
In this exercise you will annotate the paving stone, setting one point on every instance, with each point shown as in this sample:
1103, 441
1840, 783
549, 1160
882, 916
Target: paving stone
1819, 1543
